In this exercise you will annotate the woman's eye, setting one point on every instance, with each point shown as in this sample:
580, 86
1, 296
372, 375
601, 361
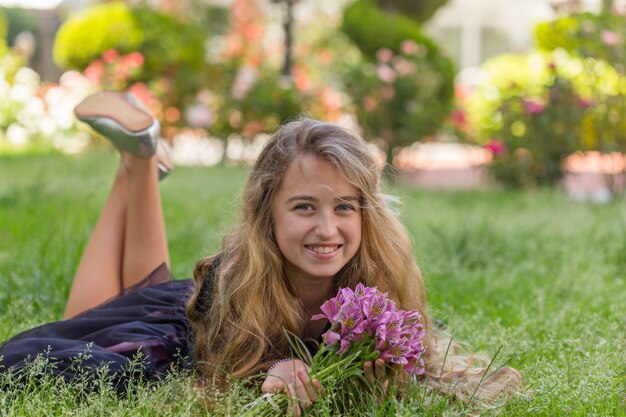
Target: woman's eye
344, 207
304, 207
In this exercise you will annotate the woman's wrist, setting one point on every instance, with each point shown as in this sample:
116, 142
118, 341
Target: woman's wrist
278, 362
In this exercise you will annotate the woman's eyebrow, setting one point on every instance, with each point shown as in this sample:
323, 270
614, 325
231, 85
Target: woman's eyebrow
347, 198
315, 200
301, 197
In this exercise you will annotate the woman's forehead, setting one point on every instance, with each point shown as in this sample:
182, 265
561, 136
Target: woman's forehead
308, 173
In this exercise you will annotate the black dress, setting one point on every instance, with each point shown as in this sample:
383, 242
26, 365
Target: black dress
148, 318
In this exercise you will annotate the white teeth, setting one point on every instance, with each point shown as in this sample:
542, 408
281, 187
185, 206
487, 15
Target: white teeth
323, 249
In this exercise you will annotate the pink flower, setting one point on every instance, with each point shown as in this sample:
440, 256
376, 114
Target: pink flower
370, 104
364, 324
365, 315
409, 47
302, 80
331, 99
611, 38
459, 119
404, 66
95, 71
584, 102
386, 73
496, 147
134, 59
384, 55
533, 107
110, 55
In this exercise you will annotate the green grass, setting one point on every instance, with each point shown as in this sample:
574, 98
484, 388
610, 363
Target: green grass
540, 276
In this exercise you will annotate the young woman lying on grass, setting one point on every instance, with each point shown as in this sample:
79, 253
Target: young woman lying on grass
313, 220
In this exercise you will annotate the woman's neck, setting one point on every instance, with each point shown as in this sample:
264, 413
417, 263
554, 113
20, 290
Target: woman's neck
314, 293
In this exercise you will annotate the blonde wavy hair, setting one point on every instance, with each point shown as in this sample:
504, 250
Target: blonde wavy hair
243, 303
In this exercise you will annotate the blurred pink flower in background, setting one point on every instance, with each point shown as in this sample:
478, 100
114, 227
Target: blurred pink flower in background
133, 60
95, 71
409, 47
584, 102
611, 38
110, 55
404, 67
459, 118
331, 99
302, 80
384, 55
252, 129
386, 73
533, 107
496, 147
371, 104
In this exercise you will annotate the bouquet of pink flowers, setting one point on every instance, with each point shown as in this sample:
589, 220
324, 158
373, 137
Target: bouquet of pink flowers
364, 325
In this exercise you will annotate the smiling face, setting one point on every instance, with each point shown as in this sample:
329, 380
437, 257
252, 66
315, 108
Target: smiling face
317, 221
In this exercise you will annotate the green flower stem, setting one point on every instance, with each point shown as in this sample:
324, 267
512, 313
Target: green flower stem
330, 366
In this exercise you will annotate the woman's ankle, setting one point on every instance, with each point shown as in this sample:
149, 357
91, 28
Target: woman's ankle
134, 165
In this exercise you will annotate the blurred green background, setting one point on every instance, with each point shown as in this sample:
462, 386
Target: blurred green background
530, 84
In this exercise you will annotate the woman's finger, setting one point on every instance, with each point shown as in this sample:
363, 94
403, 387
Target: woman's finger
382, 378
380, 370
309, 388
368, 371
273, 385
294, 404
319, 388
301, 394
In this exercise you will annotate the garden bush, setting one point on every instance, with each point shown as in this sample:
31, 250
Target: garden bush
168, 45
84, 36
591, 35
247, 94
412, 85
172, 52
400, 98
253, 100
533, 110
601, 37
419, 10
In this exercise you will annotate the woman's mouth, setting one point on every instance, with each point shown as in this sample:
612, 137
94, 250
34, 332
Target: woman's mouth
323, 251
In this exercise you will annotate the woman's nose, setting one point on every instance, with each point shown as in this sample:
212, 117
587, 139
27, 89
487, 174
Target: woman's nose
326, 225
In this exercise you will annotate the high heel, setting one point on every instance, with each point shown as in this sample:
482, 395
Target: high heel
164, 164
127, 125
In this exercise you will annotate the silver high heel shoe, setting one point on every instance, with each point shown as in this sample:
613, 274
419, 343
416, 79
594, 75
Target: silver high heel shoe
164, 164
120, 119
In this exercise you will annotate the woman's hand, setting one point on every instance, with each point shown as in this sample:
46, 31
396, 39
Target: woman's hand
292, 377
378, 374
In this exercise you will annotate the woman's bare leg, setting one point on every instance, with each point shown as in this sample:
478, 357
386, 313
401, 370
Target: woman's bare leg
99, 273
145, 240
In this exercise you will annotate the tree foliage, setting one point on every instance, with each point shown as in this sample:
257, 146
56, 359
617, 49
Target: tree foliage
422, 101
420, 10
